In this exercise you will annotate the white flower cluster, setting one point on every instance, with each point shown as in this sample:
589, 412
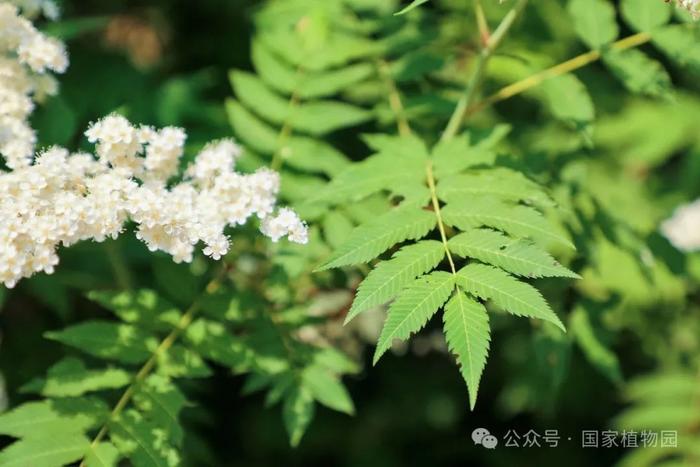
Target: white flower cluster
693, 6
683, 228
25, 57
62, 198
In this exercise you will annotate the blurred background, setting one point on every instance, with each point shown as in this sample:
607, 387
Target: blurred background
166, 63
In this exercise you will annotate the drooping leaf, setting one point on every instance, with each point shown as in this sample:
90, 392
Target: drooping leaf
510, 294
368, 241
413, 308
327, 389
600, 356
468, 335
297, 412
518, 257
389, 277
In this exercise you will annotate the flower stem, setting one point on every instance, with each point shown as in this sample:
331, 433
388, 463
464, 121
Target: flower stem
469, 94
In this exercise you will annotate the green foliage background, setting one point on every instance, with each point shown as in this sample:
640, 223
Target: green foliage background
608, 153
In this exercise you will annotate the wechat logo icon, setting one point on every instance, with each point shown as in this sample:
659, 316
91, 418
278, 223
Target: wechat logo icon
485, 438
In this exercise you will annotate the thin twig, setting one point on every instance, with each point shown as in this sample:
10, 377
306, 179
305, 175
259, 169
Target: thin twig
469, 94
557, 70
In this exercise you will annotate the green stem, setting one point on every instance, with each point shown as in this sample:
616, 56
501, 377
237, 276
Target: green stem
394, 99
557, 70
436, 208
119, 267
469, 94
162, 348
286, 131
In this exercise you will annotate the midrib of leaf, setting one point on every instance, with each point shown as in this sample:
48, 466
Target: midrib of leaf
162, 348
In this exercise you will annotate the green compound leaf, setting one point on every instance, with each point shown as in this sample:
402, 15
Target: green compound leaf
372, 239
510, 294
468, 335
518, 257
413, 308
389, 277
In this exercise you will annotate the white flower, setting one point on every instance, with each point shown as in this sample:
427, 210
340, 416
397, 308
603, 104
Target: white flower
683, 228
57, 198
691, 5
25, 56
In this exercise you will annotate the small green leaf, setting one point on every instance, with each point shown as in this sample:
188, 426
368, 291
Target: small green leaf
518, 221
327, 389
468, 335
102, 455
49, 417
639, 73
70, 377
389, 277
503, 183
518, 257
298, 412
108, 340
594, 21
510, 294
413, 308
46, 450
143, 307
644, 15
369, 240
593, 348
161, 402
414, 4
142, 441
